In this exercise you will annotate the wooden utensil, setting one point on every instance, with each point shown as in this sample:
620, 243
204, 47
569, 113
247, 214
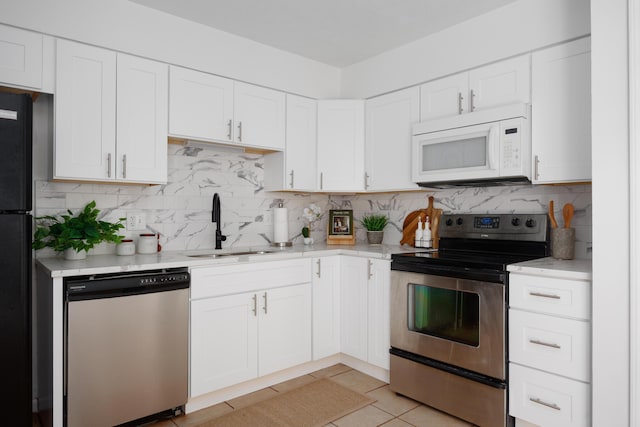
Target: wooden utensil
411, 223
552, 217
567, 214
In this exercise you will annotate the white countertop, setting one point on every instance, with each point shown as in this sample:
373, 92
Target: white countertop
57, 266
578, 269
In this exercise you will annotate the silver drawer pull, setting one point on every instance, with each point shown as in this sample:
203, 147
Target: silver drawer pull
543, 403
546, 344
538, 294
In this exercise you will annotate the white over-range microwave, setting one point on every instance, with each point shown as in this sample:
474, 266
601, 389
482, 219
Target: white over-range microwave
489, 147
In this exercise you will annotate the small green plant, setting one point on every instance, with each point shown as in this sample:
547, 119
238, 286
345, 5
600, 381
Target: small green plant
81, 232
305, 232
374, 222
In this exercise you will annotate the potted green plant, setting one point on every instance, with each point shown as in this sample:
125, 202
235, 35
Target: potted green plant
375, 224
75, 234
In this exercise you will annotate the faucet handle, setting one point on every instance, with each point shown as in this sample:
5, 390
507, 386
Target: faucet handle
223, 237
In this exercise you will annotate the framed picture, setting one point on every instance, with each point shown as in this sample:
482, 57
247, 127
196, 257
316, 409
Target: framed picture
340, 230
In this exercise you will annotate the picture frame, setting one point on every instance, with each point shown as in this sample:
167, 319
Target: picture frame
340, 230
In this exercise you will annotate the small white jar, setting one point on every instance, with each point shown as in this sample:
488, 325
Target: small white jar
147, 244
126, 247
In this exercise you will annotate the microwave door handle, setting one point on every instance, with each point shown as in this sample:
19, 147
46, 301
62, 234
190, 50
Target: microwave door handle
493, 145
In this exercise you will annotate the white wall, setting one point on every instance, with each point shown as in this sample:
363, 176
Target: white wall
125, 26
610, 151
519, 27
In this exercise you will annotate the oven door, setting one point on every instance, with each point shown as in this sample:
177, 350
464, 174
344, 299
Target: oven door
455, 321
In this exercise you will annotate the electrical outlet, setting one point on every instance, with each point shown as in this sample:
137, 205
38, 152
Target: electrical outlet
135, 222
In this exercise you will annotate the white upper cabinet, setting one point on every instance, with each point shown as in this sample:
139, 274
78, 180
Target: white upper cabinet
85, 113
444, 97
142, 104
341, 145
259, 116
211, 108
90, 144
561, 113
502, 83
20, 58
200, 105
389, 120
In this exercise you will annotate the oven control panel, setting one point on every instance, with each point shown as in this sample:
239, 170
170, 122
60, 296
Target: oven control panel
495, 226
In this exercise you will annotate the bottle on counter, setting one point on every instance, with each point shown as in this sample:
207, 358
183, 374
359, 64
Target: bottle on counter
426, 234
418, 238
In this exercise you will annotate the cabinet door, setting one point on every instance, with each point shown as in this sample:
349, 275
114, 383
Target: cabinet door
302, 117
502, 83
284, 328
444, 97
201, 105
326, 306
389, 119
85, 111
353, 307
142, 108
341, 145
259, 116
223, 342
21, 58
378, 307
561, 123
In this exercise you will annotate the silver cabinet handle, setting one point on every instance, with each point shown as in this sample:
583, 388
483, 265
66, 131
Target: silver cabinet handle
255, 305
460, 98
543, 403
109, 165
319, 273
546, 344
366, 180
536, 162
265, 303
473, 99
229, 126
239, 131
538, 294
369, 269
291, 182
124, 165
321, 186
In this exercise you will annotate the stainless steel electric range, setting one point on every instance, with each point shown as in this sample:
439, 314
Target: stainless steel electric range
449, 314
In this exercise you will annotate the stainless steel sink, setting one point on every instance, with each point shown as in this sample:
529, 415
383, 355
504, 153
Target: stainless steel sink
220, 255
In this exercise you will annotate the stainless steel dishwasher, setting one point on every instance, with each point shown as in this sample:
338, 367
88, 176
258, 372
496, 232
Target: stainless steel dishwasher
126, 347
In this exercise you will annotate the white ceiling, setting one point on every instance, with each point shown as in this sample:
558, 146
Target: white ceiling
335, 32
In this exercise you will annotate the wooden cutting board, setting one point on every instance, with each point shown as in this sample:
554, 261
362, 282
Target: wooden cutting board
410, 224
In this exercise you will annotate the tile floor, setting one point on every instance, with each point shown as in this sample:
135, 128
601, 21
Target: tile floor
389, 409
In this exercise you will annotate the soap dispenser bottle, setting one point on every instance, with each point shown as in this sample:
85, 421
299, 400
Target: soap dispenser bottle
426, 234
418, 238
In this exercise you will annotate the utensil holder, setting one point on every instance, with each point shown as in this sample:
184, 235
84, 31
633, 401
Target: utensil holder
563, 243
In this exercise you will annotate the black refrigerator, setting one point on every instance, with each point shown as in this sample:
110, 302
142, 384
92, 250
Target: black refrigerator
15, 258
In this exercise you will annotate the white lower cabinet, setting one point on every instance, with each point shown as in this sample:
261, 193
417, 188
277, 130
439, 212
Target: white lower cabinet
364, 309
262, 327
549, 349
326, 306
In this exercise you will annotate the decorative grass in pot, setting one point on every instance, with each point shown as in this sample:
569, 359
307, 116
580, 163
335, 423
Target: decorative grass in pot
375, 224
75, 235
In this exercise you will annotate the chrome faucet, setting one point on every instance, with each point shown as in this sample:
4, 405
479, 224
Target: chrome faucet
215, 217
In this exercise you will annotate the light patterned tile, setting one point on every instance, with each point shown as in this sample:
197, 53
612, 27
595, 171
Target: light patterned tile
390, 402
369, 416
358, 381
251, 398
331, 371
294, 383
196, 418
426, 416
396, 422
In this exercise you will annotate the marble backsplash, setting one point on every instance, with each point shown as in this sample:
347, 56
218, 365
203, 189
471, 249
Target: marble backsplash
180, 211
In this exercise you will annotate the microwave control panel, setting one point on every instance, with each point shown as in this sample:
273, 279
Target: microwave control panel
511, 146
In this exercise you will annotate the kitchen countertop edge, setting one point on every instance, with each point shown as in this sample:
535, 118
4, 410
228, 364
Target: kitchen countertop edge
57, 266
577, 269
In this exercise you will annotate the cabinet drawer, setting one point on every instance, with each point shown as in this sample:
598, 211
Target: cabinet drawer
557, 345
245, 277
548, 400
562, 297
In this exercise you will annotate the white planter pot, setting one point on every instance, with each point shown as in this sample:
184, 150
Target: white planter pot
71, 254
